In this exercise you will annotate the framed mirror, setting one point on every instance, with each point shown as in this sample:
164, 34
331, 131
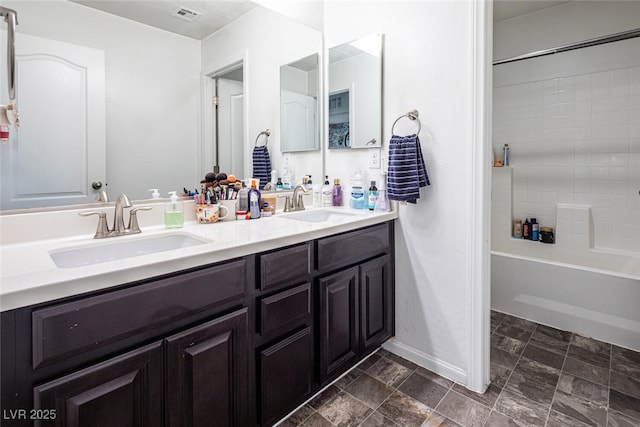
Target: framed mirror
299, 105
355, 94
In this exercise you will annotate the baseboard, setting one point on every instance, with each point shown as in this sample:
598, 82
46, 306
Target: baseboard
427, 361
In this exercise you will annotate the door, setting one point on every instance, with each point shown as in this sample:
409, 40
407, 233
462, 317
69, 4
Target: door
207, 373
298, 122
376, 303
124, 391
230, 127
339, 332
59, 149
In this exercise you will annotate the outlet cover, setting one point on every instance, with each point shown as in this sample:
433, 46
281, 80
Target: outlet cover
374, 158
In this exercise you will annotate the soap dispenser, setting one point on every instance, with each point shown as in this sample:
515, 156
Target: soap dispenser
173, 212
154, 193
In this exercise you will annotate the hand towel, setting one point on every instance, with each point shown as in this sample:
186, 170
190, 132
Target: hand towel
407, 171
261, 165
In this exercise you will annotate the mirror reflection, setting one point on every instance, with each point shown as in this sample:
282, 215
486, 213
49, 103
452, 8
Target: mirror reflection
355, 94
143, 98
299, 119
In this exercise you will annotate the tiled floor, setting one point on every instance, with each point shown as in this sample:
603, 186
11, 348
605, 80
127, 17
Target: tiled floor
540, 377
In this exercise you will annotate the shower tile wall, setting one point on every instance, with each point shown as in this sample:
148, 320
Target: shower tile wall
573, 139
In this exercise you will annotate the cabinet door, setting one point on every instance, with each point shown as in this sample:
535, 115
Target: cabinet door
207, 370
376, 303
339, 332
123, 391
286, 375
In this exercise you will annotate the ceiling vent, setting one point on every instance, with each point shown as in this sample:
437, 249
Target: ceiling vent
186, 14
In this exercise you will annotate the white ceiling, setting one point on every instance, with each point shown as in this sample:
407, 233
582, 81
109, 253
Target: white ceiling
505, 9
216, 14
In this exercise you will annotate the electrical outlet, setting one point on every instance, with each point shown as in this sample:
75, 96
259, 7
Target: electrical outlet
374, 158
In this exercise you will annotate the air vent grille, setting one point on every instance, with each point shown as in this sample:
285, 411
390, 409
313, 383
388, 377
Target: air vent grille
186, 14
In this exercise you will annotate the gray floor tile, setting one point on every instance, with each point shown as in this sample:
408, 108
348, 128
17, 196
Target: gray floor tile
537, 371
625, 362
423, 390
497, 316
488, 398
389, 372
574, 407
508, 344
503, 358
586, 371
376, 419
405, 411
444, 382
348, 378
524, 324
316, 420
557, 419
625, 404
298, 417
539, 392
586, 390
439, 420
369, 390
499, 374
625, 384
513, 332
591, 344
324, 397
345, 410
617, 419
552, 339
523, 411
585, 355
401, 361
541, 355
463, 410
496, 419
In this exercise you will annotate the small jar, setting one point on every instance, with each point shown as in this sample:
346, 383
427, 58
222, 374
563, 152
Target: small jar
546, 235
241, 215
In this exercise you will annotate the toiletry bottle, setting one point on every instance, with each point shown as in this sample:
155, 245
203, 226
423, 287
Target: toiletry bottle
309, 184
535, 227
357, 200
326, 192
317, 196
255, 201
517, 228
286, 179
373, 195
279, 184
154, 193
173, 212
505, 155
243, 198
337, 193
274, 177
526, 229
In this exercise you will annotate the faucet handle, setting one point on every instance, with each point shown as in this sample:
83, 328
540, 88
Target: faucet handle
133, 226
288, 204
103, 229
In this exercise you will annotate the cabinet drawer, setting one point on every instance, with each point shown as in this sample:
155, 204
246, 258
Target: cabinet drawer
349, 248
285, 308
288, 265
65, 330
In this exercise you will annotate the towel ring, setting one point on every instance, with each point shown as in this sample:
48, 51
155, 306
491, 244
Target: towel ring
412, 115
266, 134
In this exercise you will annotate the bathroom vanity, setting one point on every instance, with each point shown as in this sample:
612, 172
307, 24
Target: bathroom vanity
243, 339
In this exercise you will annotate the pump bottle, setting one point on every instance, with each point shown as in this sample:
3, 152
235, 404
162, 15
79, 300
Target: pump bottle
255, 201
326, 192
173, 212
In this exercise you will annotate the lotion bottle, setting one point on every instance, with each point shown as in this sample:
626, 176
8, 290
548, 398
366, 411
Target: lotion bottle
173, 212
336, 199
326, 192
255, 201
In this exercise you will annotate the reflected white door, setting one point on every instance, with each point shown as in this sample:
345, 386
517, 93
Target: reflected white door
230, 127
298, 118
59, 150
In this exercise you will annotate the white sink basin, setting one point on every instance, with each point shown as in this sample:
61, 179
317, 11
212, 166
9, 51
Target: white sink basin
79, 256
320, 215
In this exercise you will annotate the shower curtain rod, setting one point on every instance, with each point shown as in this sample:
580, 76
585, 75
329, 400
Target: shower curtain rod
573, 46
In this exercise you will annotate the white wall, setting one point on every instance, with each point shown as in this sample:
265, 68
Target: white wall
152, 81
428, 65
572, 121
266, 40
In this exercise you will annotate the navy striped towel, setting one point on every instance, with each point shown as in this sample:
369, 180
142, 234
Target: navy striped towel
261, 165
407, 172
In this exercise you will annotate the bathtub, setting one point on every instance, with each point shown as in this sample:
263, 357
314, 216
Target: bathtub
594, 293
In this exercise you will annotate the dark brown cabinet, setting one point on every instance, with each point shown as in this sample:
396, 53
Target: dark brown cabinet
207, 376
339, 317
123, 391
376, 303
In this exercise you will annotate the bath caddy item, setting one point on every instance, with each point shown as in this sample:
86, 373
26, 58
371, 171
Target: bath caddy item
413, 115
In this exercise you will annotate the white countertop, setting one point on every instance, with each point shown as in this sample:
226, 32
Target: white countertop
29, 275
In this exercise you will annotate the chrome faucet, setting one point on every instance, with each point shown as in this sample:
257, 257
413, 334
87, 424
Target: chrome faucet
118, 229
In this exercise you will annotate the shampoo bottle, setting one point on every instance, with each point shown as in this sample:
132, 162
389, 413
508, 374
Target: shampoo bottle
243, 198
526, 229
173, 212
535, 229
255, 201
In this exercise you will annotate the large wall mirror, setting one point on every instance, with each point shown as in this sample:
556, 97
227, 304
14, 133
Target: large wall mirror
139, 70
355, 94
299, 105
